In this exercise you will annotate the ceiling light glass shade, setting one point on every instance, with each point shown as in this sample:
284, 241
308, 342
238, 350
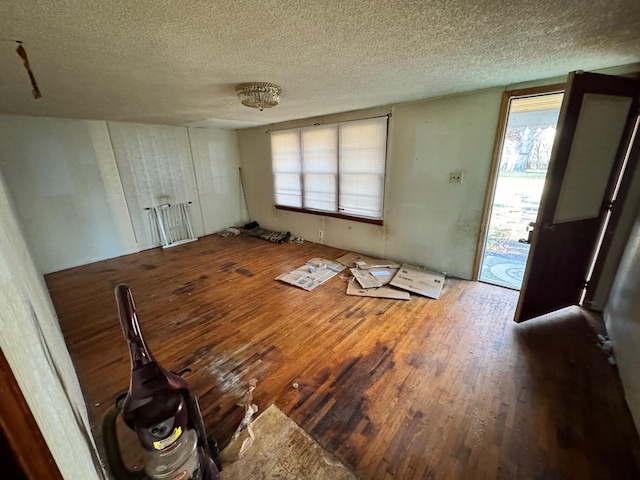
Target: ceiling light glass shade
259, 95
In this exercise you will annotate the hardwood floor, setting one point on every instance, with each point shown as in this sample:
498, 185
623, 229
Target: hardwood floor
446, 389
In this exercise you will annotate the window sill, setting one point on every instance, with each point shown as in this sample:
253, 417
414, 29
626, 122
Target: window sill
372, 221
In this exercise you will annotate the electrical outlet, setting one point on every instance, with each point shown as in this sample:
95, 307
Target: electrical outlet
455, 177
320, 234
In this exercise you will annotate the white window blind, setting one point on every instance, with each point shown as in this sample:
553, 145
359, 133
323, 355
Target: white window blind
363, 147
285, 155
335, 168
320, 168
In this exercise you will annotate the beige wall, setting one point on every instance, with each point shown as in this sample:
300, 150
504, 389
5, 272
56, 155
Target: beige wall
66, 180
618, 242
33, 344
155, 166
428, 221
217, 171
622, 318
64, 183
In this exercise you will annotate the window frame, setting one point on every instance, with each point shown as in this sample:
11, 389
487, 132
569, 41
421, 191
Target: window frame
337, 214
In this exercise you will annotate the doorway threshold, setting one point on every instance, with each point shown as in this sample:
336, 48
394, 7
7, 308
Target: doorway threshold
503, 269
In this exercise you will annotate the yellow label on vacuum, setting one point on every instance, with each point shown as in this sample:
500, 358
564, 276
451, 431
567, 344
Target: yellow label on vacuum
162, 444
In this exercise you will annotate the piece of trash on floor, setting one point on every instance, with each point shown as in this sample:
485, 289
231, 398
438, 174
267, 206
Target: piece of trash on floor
250, 409
357, 260
373, 277
604, 343
379, 292
416, 280
606, 346
373, 273
230, 231
364, 278
295, 385
253, 229
306, 278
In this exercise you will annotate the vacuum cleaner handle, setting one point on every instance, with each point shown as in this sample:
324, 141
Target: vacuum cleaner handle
140, 354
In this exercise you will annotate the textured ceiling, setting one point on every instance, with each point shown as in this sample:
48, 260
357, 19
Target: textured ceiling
177, 62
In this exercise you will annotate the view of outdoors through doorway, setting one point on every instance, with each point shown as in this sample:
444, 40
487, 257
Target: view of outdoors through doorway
526, 149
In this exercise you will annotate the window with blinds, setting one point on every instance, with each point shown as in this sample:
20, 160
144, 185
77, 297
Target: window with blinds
336, 169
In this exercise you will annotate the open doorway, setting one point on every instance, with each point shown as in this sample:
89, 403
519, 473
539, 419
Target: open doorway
527, 130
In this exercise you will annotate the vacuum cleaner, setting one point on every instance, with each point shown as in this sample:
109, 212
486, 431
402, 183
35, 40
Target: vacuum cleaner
160, 408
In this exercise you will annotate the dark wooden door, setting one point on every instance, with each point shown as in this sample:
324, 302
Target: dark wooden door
586, 161
24, 454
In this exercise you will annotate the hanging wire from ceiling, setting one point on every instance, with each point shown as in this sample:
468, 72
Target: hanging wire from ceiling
23, 55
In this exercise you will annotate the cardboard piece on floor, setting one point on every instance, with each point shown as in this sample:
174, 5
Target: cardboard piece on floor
379, 292
374, 277
416, 280
364, 278
354, 260
384, 275
313, 273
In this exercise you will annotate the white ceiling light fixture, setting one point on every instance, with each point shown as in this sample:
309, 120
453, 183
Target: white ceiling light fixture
259, 95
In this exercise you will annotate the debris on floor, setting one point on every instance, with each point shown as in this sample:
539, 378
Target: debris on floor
379, 278
377, 292
253, 229
250, 409
373, 273
606, 346
313, 273
281, 450
373, 277
364, 262
416, 280
230, 231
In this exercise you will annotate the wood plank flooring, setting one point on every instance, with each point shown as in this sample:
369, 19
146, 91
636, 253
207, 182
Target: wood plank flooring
424, 389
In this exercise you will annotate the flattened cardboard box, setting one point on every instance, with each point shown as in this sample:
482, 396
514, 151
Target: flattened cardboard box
378, 292
313, 273
422, 282
362, 261
373, 277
